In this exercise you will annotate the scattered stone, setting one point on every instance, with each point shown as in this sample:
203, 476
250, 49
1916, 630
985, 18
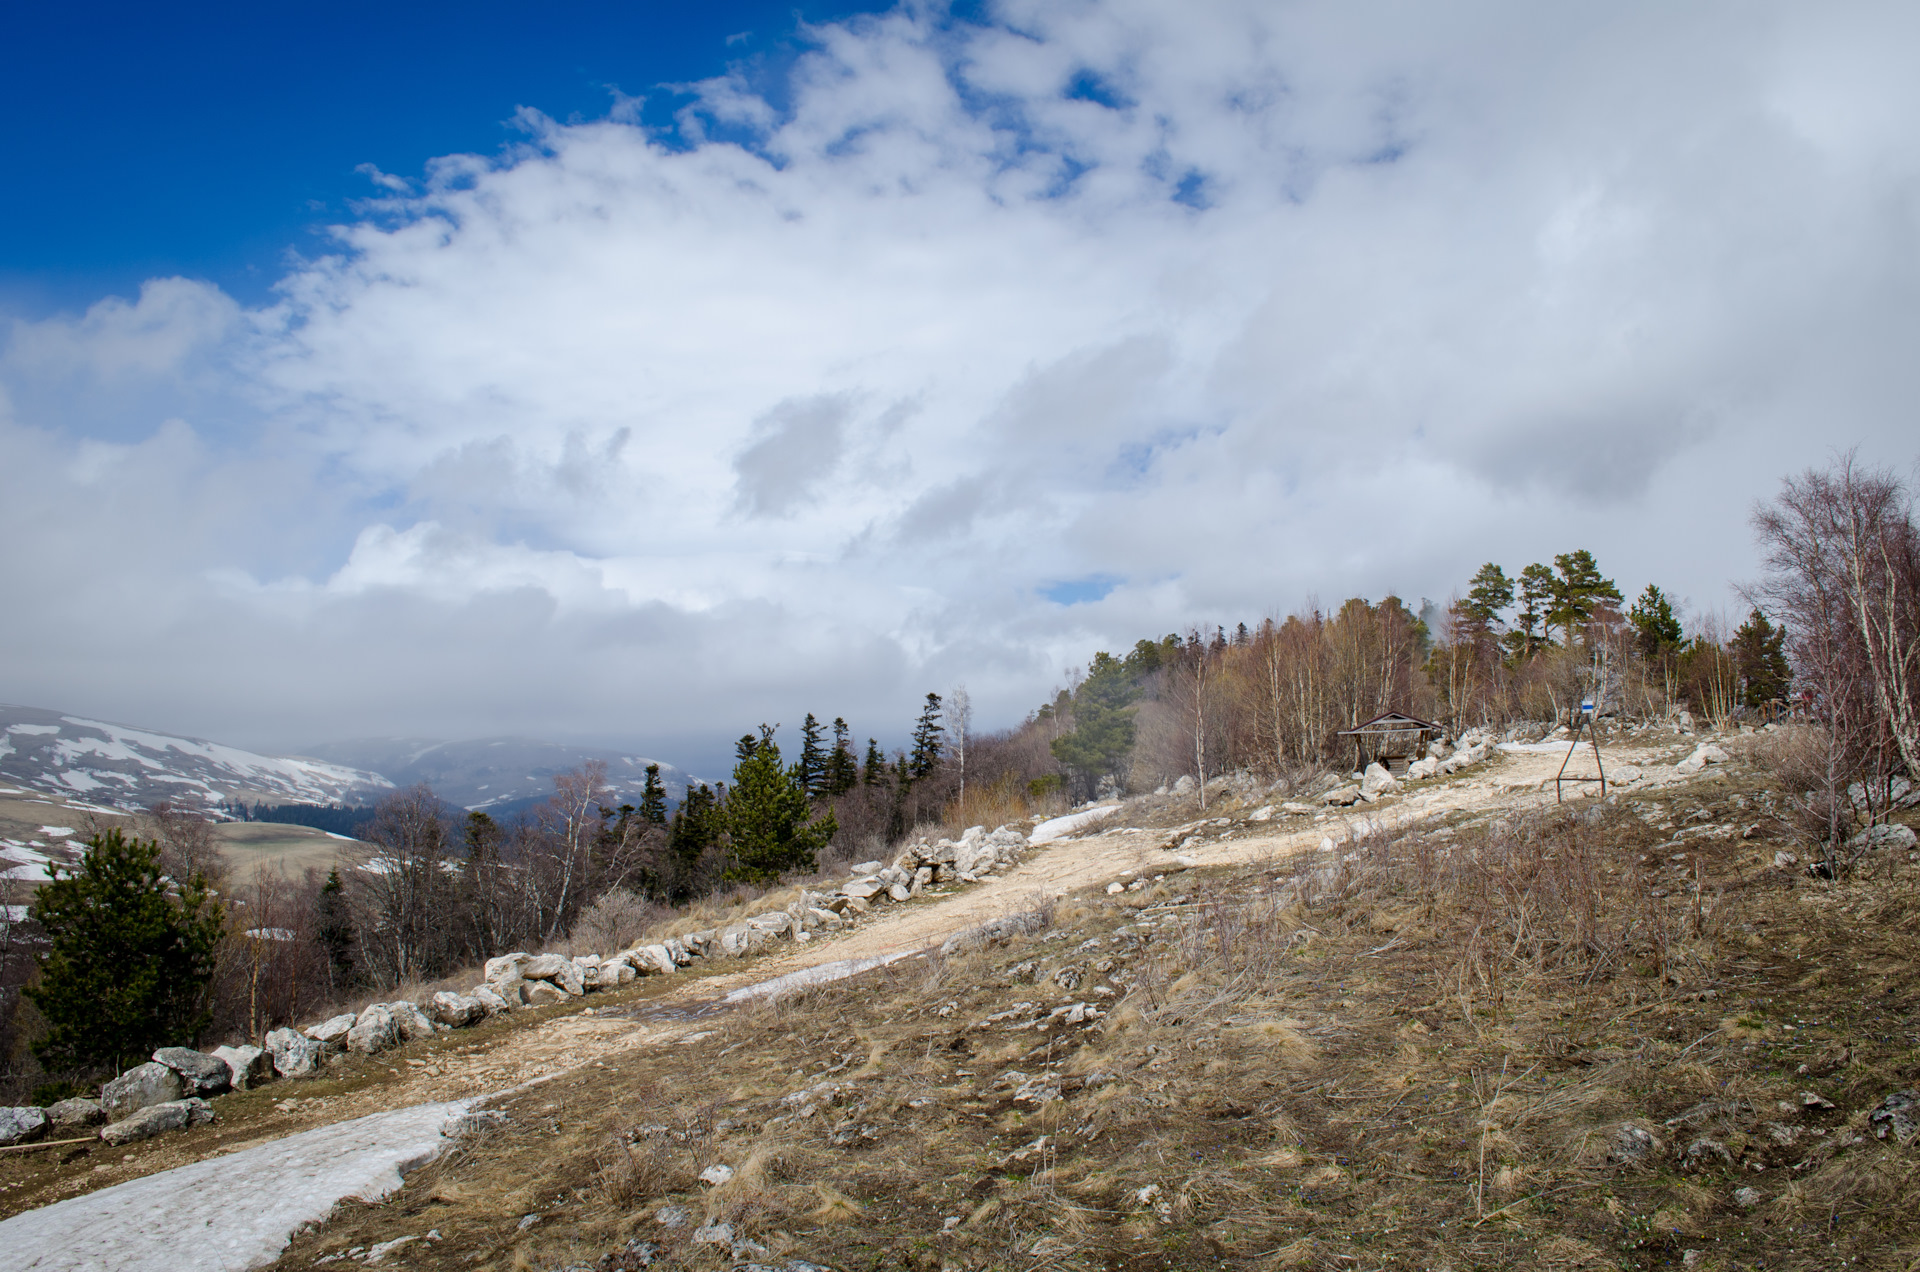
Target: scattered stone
1703, 1152
1897, 1115
1184, 786
457, 1010
294, 1055
1378, 781
1889, 835
1632, 1145
1814, 1100
410, 1024
716, 1175
78, 1111
1704, 754
22, 1124
1342, 796
1113, 888
140, 1087
1748, 1198
332, 1034
200, 1073
1784, 860
672, 1216
172, 1115
246, 1066
373, 1031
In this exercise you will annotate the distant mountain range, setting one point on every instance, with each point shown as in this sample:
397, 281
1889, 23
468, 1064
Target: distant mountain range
495, 774
120, 766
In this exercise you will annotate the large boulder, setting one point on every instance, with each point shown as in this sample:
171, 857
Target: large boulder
490, 1001
140, 1087
455, 1010
1704, 754
776, 922
410, 1024
200, 1073
862, 889
373, 1031
655, 960
1889, 835
295, 1055
22, 1125
540, 993
246, 1066
174, 1115
545, 967
76, 1112
677, 951
1378, 781
506, 966
332, 1034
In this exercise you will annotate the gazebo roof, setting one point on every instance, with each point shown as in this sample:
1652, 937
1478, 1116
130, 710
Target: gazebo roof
1393, 722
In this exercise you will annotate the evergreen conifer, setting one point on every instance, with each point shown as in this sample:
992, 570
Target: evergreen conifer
813, 758
843, 771
767, 817
928, 744
874, 772
1760, 659
333, 926
653, 798
129, 959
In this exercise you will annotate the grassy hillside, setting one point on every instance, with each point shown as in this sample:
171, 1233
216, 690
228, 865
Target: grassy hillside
1549, 1041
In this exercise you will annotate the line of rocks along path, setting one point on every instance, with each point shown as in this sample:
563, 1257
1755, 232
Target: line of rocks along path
1509, 782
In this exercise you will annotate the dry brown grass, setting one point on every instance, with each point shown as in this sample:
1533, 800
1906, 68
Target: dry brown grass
1417, 1052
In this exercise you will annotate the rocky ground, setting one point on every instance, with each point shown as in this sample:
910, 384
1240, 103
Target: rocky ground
1318, 1039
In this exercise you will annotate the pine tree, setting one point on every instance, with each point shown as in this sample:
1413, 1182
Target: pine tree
767, 817
695, 826
1534, 590
653, 798
927, 741
1489, 592
843, 771
743, 749
874, 772
813, 758
333, 927
1760, 660
1578, 591
1656, 629
130, 957
1102, 724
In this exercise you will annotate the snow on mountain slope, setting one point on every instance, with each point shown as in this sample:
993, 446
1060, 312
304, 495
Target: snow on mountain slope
496, 774
120, 766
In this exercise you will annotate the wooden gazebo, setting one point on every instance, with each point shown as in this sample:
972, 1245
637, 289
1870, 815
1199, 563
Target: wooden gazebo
1393, 739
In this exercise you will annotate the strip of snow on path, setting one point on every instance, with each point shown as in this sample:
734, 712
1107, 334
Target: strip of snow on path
228, 1214
1060, 827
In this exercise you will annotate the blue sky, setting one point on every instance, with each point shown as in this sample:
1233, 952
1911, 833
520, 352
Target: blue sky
918, 347
208, 139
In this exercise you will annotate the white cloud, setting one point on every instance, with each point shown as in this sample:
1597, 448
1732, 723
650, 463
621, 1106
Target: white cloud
1228, 302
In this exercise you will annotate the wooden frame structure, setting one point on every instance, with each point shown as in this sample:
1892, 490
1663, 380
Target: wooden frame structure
1582, 724
1393, 739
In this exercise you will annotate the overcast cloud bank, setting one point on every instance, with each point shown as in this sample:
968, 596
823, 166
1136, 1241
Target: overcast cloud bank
812, 406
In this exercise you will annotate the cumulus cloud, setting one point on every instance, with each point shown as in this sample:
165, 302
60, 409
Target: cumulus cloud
816, 401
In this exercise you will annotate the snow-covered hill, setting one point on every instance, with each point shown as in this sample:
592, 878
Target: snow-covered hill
496, 774
122, 767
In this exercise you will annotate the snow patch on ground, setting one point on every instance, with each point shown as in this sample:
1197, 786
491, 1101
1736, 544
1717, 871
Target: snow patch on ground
228, 1214
1060, 827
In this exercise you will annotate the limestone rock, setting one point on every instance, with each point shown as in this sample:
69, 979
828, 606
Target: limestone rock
22, 1124
200, 1073
1898, 1115
1184, 786
778, 922
173, 1115
294, 1055
545, 967
540, 993
655, 960
864, 889
1890, 835
506, 966
332, 1034
677, 951
1704, 754
492, 1003
1632, 1145
1342, 796
373, 1031
457, 1010
76, 1112
1378, 781
140, 1087
246, 1066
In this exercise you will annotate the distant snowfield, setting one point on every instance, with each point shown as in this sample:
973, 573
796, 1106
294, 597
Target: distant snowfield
117, 764
227, 1214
